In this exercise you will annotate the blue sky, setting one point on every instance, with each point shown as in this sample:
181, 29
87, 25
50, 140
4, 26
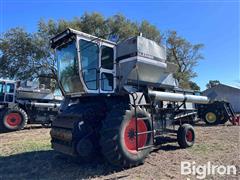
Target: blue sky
214, 23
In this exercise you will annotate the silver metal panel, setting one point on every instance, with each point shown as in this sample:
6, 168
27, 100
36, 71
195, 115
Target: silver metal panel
177, 97
144, 61
143, 70
142, 46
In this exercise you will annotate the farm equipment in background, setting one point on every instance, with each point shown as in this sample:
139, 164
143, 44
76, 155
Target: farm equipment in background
217, 112
119, 99
26, 102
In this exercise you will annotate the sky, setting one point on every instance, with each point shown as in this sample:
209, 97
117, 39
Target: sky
215, 23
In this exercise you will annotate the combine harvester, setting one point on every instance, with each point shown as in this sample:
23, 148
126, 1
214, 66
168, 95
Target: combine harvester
26, 102
119, 99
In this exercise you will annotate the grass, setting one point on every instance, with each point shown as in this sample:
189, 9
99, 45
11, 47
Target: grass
31, 145
25, 144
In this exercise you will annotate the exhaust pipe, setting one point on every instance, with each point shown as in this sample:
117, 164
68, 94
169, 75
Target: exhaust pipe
177, 97
44, 105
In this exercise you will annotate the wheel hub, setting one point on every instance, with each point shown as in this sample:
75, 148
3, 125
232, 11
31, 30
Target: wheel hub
211, 117
13, 119
130, 135
189, 136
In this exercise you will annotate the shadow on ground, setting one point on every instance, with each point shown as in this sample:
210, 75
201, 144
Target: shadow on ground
50, 165
28, 127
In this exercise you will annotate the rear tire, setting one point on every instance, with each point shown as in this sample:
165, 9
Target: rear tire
186, 136
223, 120
211, 118
14, 119
118, 141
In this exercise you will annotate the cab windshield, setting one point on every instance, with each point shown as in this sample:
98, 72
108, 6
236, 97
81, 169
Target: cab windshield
68, 68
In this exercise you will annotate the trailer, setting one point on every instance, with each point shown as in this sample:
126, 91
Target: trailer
25, 102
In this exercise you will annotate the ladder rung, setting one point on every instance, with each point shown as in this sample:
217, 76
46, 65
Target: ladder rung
144, 118
145, 132
142, 104
145, 147
159, 135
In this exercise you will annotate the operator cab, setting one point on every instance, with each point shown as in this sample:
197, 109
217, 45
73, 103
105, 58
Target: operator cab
86, 64
7, 91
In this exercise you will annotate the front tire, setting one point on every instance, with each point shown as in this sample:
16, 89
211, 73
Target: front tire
186, 136
118, 138
14, 119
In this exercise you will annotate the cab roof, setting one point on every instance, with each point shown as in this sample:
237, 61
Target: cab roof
68, 33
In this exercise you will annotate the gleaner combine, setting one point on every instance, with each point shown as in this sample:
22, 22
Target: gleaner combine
119, 98
26, 102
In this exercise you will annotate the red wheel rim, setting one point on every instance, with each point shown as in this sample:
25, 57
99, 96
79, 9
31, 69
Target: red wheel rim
130, 135
13, 119
189, 136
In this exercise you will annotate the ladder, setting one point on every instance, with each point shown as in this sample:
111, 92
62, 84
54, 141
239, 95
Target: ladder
229, 110
151, 132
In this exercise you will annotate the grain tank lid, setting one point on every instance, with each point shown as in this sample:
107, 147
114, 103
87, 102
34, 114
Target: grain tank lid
140, 46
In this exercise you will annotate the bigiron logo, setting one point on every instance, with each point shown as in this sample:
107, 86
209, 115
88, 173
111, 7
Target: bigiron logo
201, 171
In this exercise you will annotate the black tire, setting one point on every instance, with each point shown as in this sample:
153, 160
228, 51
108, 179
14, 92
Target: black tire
113, 137
223, 120
13, 119
186, 136
2, 129
211, 118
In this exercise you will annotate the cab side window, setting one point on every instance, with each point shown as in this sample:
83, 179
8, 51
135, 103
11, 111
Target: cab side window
107, 57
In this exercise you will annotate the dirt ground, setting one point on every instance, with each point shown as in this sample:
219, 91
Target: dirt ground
27, 154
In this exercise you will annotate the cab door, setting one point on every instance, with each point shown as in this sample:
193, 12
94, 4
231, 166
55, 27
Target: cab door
107, 68
7, 92
10, 90
2, 95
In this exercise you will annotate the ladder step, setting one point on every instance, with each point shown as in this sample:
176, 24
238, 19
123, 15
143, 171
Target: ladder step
145, 147
142, 104
145, 132
144, 118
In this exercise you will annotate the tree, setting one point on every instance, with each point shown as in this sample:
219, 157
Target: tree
194, 86
20, 54
150, 31
212, 83
185, 55
94, 24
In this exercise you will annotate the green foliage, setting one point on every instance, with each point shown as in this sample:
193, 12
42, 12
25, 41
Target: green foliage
149, 31
185, 55
194, 86
21, 52
119, 28
212, 83
94, 24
